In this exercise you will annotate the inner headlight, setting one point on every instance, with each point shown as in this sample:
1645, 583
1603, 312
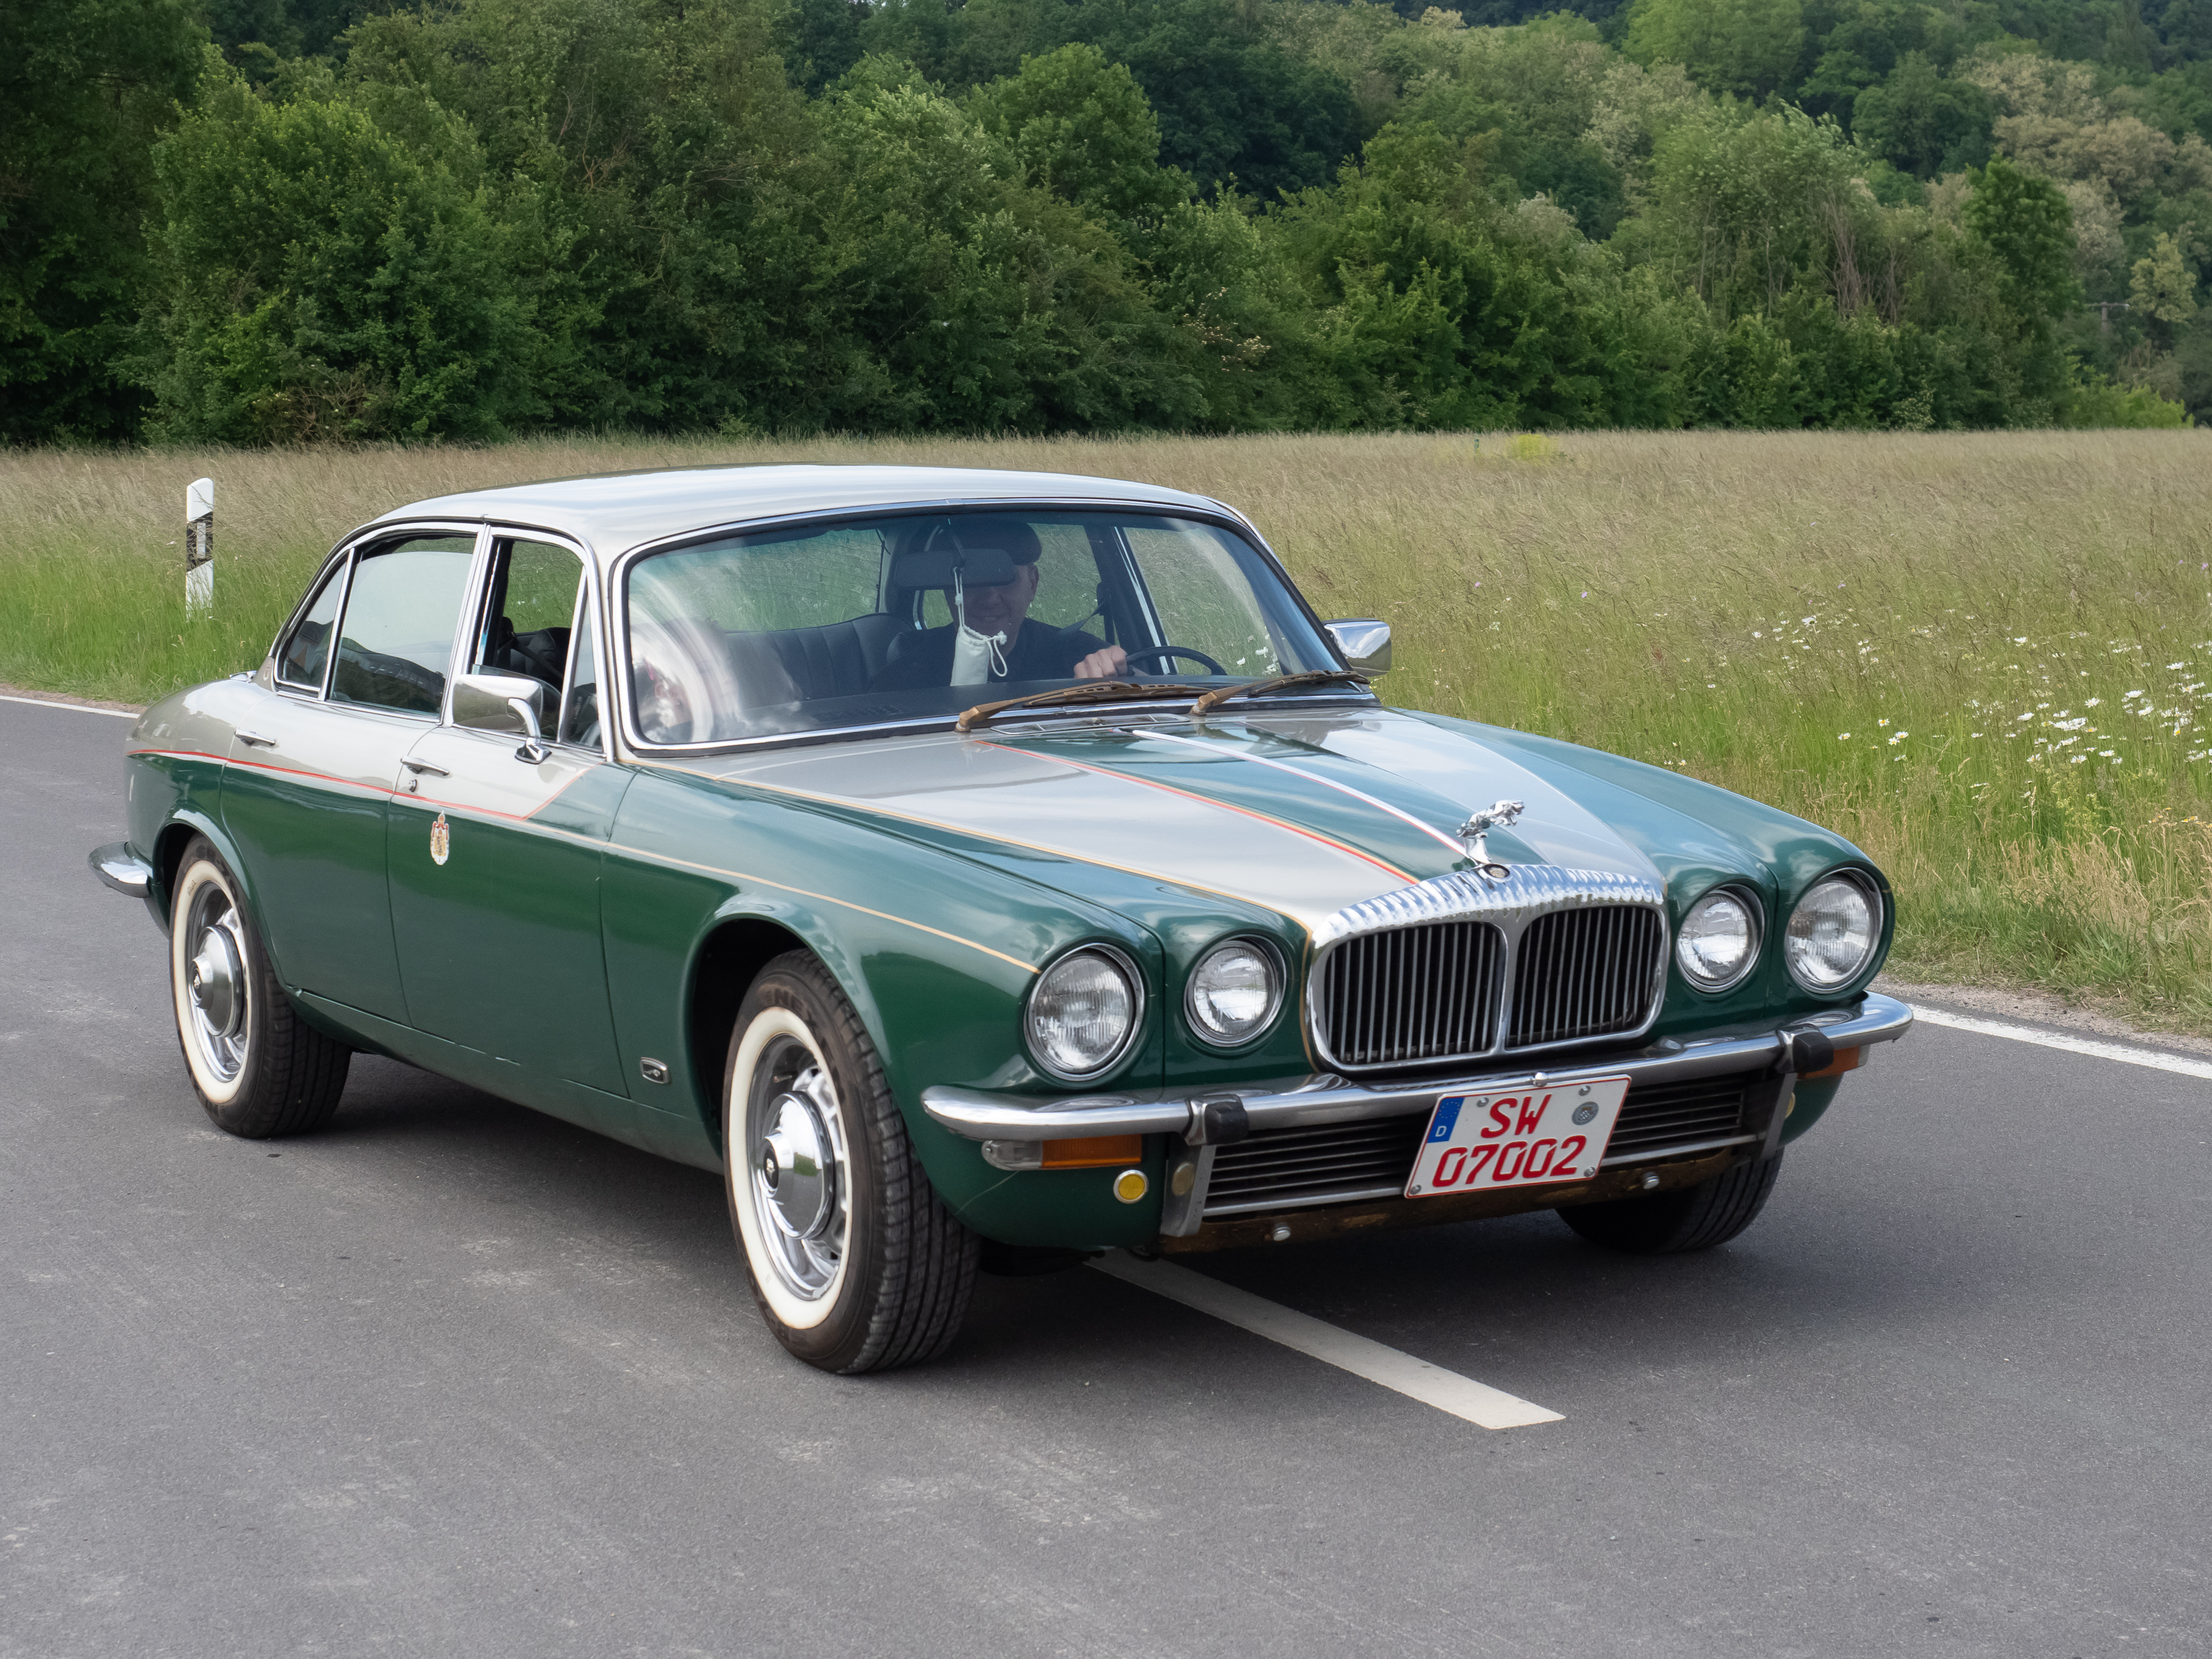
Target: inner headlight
1832, 933
1083, 1013
1233, 993
1719, 940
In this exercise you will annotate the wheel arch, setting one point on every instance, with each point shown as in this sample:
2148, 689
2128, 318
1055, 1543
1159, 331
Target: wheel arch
728, 958
168, 856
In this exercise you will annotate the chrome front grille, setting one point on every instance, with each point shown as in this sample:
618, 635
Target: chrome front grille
1346, 1163
1466, 965
1414, 994
1584, 974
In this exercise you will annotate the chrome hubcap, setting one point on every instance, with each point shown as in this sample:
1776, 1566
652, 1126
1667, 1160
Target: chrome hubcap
796, 1137
215, 983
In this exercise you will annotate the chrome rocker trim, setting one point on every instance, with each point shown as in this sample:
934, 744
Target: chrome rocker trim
121, 868
977, 1114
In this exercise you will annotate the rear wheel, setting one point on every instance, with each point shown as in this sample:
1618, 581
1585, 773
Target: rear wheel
1688, 1219
855, 1263
257, 1067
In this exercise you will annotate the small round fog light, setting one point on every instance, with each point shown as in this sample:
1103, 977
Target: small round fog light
1130, 1185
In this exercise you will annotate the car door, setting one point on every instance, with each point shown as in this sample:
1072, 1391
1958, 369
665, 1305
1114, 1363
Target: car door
360, 676
496, 857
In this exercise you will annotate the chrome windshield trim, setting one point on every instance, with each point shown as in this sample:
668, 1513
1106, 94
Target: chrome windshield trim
981, 1114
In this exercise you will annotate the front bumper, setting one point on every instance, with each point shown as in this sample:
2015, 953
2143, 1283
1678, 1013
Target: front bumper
979, 1114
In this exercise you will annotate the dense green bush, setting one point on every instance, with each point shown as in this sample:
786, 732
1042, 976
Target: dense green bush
285, 220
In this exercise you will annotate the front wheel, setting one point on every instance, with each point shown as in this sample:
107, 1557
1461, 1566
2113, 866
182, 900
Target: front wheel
855, 1263
259, 1068
1688, 1219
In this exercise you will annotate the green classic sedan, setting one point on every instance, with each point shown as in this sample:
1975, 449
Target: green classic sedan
976, 869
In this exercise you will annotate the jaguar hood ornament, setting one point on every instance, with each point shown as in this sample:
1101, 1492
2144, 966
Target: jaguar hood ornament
1475, 832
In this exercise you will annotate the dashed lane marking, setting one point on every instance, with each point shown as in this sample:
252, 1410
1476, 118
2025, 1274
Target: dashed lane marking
1448, 1391
2072, 1045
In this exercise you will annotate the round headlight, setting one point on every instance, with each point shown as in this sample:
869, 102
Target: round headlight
1719, 940
1233, 993
1081, 1013
1832, 933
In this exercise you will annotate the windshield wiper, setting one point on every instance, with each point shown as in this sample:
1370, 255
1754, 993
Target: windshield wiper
1214, 700
1089, 691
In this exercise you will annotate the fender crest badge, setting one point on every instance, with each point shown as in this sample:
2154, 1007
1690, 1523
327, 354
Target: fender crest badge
441, 839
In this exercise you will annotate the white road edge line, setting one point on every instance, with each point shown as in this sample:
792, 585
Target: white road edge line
1448, 1391
2119, 1051
81, 707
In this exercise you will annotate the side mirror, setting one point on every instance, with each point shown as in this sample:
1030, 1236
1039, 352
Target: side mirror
502, 702
1364, 642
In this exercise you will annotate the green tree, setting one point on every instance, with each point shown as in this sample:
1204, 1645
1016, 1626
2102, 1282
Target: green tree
86, 87
2028, 228
1750, 47
320, 278
1922, 122
2162, 286
1080, 127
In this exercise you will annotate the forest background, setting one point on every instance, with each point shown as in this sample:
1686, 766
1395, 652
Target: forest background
286, 221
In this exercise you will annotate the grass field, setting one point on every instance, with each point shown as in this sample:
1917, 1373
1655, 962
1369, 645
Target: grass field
1982, 657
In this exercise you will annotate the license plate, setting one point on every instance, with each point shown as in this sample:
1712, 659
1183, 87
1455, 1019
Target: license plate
1521, 1138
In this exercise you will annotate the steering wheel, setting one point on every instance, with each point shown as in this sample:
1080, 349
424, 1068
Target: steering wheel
1211, 666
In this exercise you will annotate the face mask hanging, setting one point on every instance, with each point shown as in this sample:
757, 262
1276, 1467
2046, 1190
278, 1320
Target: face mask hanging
976, 657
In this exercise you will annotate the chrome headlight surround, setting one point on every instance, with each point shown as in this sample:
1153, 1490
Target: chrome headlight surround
1277, 983
1745, 900
1796, 943
1132, 982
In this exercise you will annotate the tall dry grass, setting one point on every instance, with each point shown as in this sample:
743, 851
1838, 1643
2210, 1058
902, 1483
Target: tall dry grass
1982, 656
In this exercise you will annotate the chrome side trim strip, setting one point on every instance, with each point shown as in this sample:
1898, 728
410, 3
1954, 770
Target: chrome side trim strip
981, 1115
121, 868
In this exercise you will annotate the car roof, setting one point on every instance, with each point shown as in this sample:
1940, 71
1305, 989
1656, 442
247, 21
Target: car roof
613, 512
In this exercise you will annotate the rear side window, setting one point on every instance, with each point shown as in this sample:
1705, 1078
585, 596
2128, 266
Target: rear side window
301, 663
400, 616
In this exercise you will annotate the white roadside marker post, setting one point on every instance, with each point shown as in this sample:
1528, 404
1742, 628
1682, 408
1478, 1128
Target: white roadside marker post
199, 547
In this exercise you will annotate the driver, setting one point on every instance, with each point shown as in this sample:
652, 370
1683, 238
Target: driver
1018, 649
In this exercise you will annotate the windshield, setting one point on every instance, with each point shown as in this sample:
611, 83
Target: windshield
873, 621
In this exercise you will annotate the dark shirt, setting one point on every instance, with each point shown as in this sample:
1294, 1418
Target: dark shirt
1039, 652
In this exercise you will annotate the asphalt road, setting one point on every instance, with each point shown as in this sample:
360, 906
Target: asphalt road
457, 1379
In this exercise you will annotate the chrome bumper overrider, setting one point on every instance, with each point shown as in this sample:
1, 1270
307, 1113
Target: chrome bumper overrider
980, 1116
119, 867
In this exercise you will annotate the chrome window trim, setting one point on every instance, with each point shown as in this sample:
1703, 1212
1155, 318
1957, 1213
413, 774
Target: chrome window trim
1722, 988
1135, 975
1857, 982
1282, 997
619, 567
1530, 891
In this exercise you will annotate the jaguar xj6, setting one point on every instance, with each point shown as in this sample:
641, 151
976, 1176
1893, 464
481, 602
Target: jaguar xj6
976, 868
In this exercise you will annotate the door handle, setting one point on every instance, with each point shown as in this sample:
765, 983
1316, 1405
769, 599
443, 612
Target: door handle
255, 738
422, 769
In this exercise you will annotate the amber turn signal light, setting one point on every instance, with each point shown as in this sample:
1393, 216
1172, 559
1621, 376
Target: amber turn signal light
1846, 1060
1094, 1152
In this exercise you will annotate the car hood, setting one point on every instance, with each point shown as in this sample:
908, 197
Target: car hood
1303, 813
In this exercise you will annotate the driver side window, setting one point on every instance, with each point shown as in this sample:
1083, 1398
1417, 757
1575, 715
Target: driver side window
529, 618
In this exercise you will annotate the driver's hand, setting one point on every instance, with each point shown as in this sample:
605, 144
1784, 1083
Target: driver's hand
1108, 664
